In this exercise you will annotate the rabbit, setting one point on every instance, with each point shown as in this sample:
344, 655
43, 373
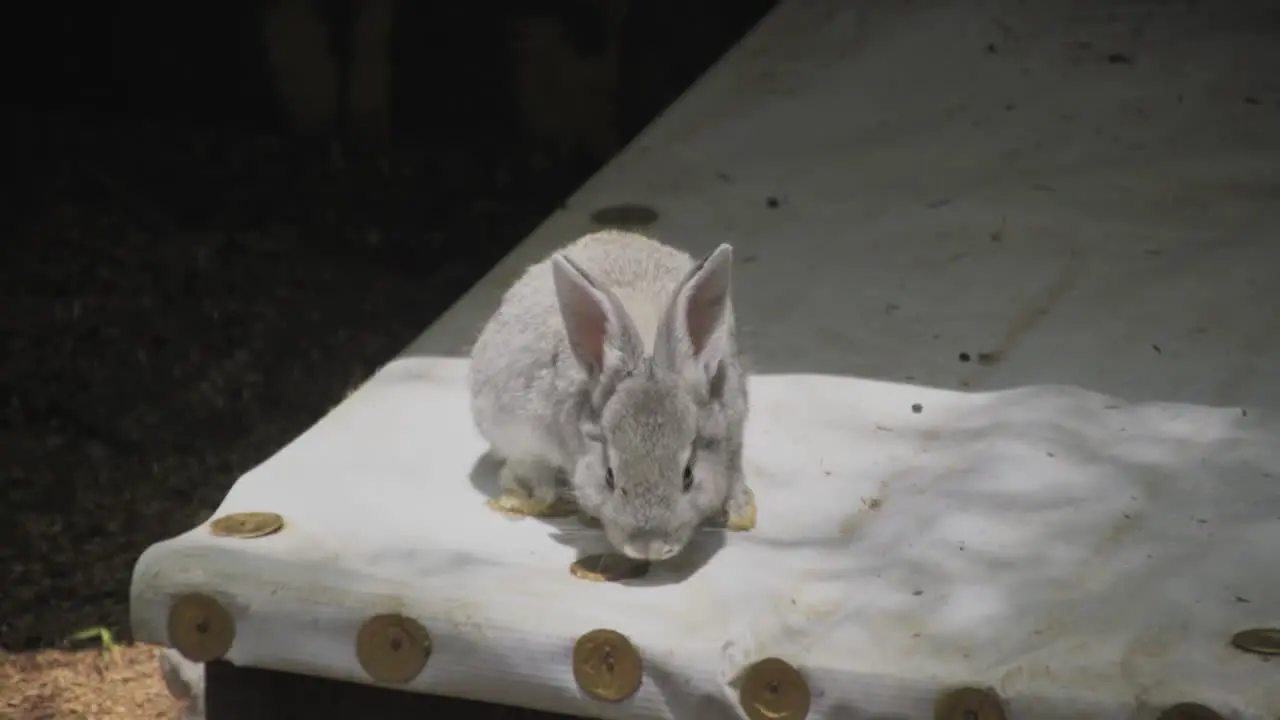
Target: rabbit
614, 364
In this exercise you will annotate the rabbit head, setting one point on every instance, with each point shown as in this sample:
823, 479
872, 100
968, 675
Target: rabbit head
655, 464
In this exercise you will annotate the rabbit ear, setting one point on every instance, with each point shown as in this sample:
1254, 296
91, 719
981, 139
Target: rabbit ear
600, 331
697, 311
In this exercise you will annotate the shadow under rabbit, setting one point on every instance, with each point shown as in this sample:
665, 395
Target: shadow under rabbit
581, 532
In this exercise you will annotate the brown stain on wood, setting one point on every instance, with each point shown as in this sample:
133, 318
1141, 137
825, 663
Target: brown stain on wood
1031, 313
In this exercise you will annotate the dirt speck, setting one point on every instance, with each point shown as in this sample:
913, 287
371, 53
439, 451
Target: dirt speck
987, 359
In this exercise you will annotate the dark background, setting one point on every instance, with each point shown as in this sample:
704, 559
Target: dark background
186, 284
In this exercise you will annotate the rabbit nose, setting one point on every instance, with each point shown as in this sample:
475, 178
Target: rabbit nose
645, 549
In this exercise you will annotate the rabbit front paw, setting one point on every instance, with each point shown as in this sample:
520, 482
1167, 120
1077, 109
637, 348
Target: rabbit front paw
528, 487
741, 509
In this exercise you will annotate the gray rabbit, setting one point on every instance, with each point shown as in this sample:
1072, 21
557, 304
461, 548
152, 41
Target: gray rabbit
614, 363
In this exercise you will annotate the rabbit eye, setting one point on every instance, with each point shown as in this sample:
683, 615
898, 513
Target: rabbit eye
608, 478
688, 477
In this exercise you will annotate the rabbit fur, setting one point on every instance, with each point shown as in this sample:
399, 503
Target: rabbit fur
613, 364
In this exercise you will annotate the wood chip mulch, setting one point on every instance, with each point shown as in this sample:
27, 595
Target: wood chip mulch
85, 684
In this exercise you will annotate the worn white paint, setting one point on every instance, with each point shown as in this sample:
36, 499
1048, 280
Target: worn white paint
1081, 521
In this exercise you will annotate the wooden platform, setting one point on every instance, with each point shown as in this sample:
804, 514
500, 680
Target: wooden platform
1005, 275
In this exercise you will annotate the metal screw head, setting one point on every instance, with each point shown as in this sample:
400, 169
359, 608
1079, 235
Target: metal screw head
625, 215
1189, 711
969, 703
247, 525
606, 666
392, 648
608, 567
773, 689
1262, 641
200, 628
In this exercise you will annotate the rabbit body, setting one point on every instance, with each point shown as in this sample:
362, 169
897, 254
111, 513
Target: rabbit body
613, 364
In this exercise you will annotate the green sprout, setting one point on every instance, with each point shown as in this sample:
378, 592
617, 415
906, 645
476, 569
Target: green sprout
106, 640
